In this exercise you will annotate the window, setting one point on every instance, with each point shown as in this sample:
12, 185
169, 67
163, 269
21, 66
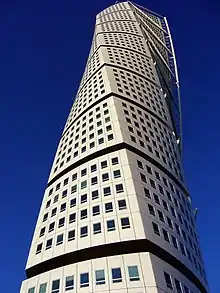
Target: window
108, 207
73, 202
151, 209
156, 228
161, 217
45, 217
95, 194
93, 168
56, 197
51, 227
94, 180
83, 172
105, 177
83, 214
116, 275
117, 173
186, 289
72, 218
49, 243
62, 207
133, 273
95, 210
83, 231
83, 184
104, 164
122, 204
83, 198
43, 288
64, 193
156, 199
119, 188
73, 188
107, 191
71, 235
74, 176
178, 286
110, 225
174, 241
55, 286
96, 228
166, 235
69, 283
114, 161
84, 280
140, 165
61, 222
100, 277
42, 231
170, 223
125, 223
143, 178
147, 192
39, 248
59, 239
31, 290
168, 281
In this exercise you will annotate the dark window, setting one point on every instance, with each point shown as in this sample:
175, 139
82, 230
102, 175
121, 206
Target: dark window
71, 235
110, 225
59, 239
95, 194
125, 223
83, 214
55, 286
105, 177
94, 180
95, 210
53, 212
133, 273
122, 204
72, 218
178, 286
168, 281
114, 161
83, 231
108, 207
49, 243
107, 191
39, 248
104, 164
166, 235
156, 228
116, 275
83, 198
73, 202
96, 228
119, 188
84, 280
51, 227
69, 283
93, 168
61, 222
62, 207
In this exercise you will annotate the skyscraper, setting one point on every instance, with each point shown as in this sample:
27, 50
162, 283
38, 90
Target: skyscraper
116, 215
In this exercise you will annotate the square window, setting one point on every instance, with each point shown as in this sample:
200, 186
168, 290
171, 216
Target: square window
83, 214
101, 140
73, 202
63, 207
66, 181
93, 168
147, 192
94, 180
69, 284
55, 286
73, 188
83, 198
122, 204
114, 161
95, 194
72, 218
119, 188
84, 280
51, 227
125, 223
56, 197
110, 225
64, 193
31, 290
49, 243
110, 137
83, 172
74, 176
108, 207
61, 222
43, 288
83, 184
95, 210
116, 275
166, 235
83, 231
117, 173
100, 277
42, 232
59, 239
168, 281
104, 164
107, 191
133, 273
105, 177
71, 235
156, 229
53, 212
39, 248
96, 228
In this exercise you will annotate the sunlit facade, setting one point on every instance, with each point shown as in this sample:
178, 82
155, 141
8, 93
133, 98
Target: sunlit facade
116, 215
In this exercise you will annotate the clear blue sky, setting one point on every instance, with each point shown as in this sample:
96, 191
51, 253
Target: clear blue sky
43, 50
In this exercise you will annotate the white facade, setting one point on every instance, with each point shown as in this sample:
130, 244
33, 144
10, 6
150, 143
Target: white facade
116, 215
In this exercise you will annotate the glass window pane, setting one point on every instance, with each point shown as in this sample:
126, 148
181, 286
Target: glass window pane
43, 288
133, 273
69, 283
31, 290
84, 280
55, 286
110, 225
116, 275
100, 277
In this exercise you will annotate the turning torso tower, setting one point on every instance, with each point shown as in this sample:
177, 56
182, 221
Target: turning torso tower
116, 215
